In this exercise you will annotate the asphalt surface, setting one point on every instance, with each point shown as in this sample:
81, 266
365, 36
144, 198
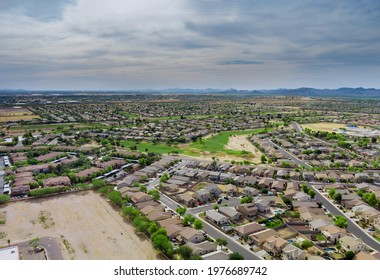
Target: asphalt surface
52, 248
352, 226
297, 127
289, 155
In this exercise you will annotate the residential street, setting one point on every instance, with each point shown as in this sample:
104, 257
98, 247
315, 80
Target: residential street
352, 226
289, 155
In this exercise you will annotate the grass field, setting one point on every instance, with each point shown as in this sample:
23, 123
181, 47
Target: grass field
208, 147
324, 126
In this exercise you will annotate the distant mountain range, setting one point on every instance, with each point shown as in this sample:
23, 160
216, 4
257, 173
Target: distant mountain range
308, 92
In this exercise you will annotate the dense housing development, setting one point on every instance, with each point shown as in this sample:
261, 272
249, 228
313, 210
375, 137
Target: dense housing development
212, 177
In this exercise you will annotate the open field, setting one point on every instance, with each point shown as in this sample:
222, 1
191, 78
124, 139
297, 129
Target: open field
216, 145
86, 226
324, 126
241, 143
16, 114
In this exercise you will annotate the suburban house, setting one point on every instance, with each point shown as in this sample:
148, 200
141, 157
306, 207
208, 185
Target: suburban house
319, 224
362, 256
187, 200
158, 216
274, 245
278, 186
247, 210
308, 176
230, 213
202, 195
249, 191
189, 234
351, 244
202, 248
148, 209
139, 197
213, 190
231, 190
260, 237
333, 233
291, 252
217, 218
301, 196
248, 229
57, 181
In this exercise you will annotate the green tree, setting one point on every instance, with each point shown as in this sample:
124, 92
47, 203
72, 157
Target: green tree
141, 223
164, 178
155, 194
185, 252
311, 193
153, 227
246, 199
198, 225
236, 256
221, 242
306, 244
181, 210
349, 255
341, 222
305, 188
188, 219
331, 193
116, 198
338, 197
96, 183
263, 159
130, 212
4, 198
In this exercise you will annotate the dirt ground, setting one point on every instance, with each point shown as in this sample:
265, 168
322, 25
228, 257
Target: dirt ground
241, 143
85, 224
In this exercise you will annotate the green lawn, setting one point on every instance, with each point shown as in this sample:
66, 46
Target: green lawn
320, 237
214, 145
217, 142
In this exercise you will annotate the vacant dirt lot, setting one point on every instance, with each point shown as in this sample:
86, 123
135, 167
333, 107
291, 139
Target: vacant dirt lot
16, 114
241, 143
86, 226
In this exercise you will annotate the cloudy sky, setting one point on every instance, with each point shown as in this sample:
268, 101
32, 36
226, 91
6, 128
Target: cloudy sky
134, 44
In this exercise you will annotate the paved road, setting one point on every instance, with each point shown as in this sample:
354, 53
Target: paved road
352, 226
289, 155
297, 127
211, 230
52, 248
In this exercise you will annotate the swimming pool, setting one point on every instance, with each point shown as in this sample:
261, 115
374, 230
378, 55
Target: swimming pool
330, 250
